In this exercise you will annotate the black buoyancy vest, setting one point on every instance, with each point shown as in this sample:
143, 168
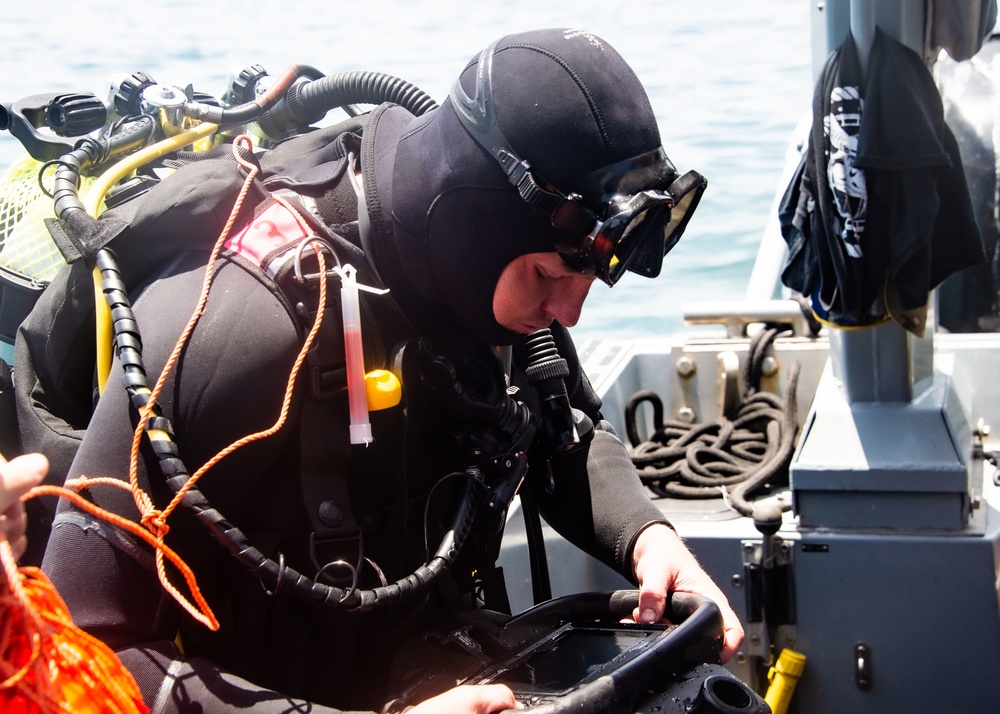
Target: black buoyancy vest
55, 355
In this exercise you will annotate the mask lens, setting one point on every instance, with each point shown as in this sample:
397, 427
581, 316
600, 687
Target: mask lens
640, 246
652, 232
687, 191
640, 230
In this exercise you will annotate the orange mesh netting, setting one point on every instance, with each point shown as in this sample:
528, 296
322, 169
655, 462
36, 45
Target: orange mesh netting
47, 663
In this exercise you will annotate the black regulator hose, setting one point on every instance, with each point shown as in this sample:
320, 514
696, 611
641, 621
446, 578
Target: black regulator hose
307, 102
248, 111
360, 88
90, 152
293, 101
564, 428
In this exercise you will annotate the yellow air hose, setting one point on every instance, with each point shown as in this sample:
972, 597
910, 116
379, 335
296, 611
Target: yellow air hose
92, 203
784, 675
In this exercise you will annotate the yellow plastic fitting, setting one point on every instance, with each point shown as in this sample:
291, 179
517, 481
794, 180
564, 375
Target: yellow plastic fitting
784, 675
383, 389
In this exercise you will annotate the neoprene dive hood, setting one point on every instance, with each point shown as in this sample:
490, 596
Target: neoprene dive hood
579, 124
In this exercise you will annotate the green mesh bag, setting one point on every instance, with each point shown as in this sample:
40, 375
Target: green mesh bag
28, 256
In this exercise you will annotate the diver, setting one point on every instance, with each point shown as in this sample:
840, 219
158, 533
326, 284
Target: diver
474, 225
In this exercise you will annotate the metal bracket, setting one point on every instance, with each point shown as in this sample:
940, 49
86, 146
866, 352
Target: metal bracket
729, 393
770, 606
771, 552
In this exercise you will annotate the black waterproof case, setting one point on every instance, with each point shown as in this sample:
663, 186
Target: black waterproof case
573, 655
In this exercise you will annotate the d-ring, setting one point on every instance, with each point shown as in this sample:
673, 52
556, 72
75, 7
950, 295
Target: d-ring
298, 256
378, 572
278, 579
354, 577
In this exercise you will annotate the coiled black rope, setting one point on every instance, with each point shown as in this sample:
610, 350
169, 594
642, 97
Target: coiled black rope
735, 455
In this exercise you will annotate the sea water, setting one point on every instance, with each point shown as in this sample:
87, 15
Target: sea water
728, 82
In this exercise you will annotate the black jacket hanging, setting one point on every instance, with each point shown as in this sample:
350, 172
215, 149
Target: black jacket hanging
879, 212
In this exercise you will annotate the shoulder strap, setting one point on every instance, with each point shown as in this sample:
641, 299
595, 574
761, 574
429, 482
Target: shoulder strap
277, 246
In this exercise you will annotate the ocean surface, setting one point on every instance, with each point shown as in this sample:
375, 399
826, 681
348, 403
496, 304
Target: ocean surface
728, 81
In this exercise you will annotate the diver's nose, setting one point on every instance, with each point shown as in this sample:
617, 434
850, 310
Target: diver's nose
566, 300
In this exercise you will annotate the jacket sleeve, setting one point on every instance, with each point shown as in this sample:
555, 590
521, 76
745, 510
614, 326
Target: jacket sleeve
229, 383
594, 497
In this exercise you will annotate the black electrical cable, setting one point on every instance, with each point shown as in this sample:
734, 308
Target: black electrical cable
541, 582
736, 454
473, 476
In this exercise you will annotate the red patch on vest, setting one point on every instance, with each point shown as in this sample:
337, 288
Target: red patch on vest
274, 228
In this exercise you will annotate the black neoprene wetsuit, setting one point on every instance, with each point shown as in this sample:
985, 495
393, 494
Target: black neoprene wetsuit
229, 383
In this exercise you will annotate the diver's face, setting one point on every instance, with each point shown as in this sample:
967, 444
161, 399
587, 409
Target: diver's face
537, 288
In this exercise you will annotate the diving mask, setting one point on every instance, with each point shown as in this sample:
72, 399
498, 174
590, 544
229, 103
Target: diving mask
633, 228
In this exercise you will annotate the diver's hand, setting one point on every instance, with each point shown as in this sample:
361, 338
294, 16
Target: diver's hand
663, 564
469, 699
16, 477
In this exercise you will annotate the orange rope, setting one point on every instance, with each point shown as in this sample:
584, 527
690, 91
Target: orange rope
37, 635
289, 387
203, 613
154, 519
145, 506
13, 598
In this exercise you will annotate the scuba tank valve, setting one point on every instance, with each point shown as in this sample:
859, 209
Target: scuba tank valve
167, 104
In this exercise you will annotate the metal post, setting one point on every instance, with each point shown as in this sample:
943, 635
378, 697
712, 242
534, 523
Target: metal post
886, 442
877, 364
863, 29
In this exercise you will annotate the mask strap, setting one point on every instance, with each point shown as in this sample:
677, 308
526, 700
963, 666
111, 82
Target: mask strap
478, 115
